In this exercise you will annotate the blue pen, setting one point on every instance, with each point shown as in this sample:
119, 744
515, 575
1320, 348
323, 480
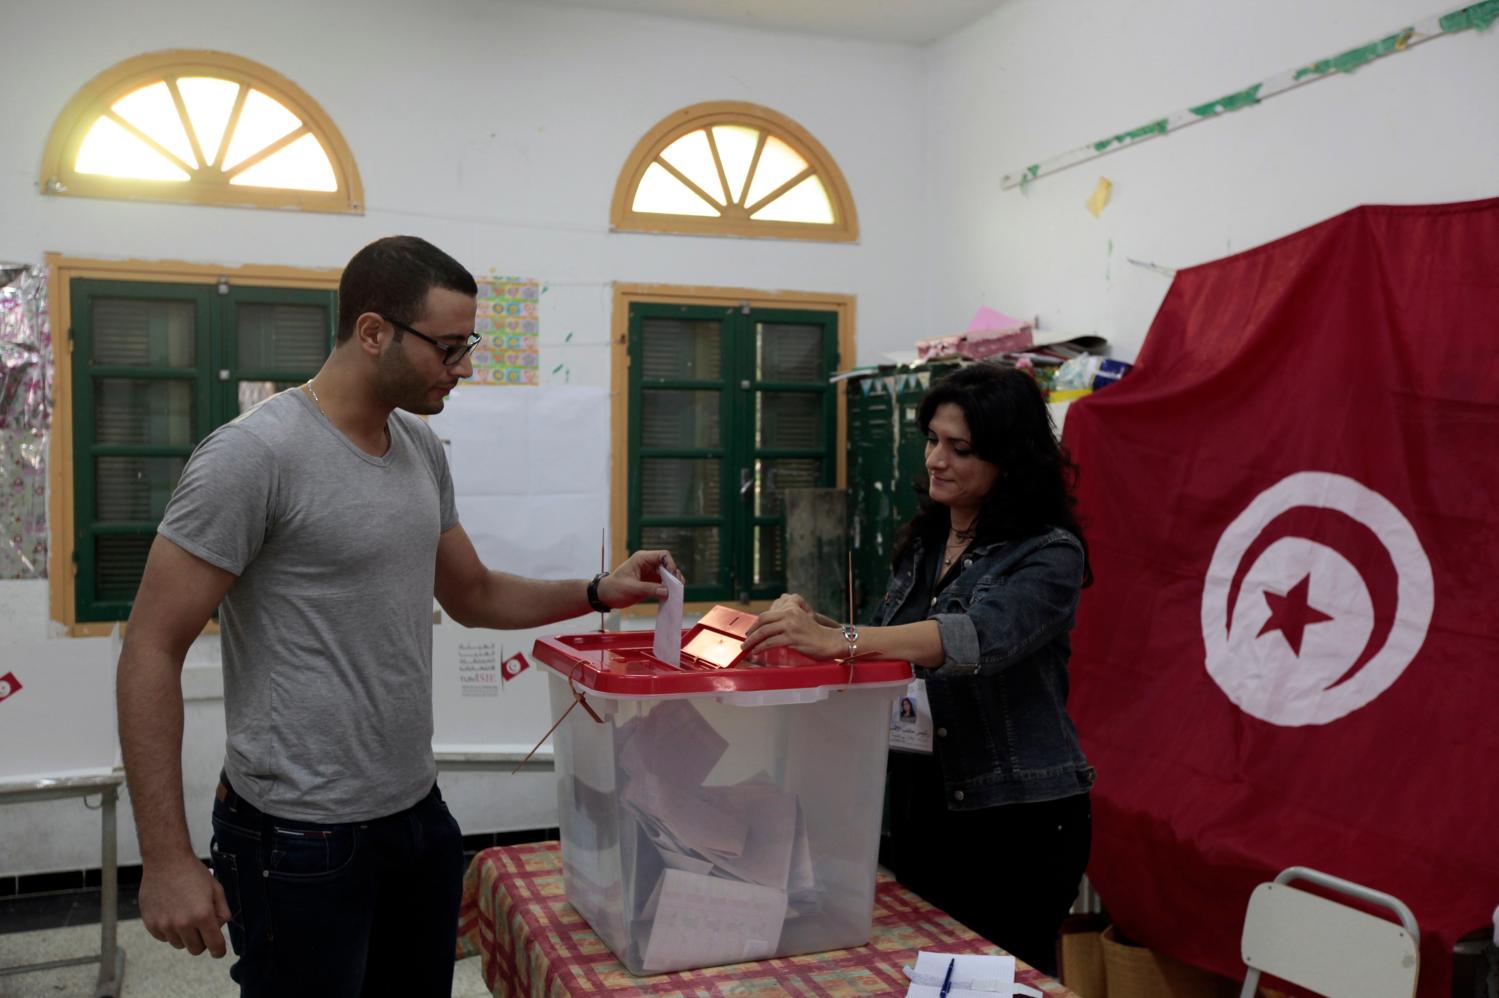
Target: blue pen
947, 981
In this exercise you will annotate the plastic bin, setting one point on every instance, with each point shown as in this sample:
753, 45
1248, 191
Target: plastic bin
722, 811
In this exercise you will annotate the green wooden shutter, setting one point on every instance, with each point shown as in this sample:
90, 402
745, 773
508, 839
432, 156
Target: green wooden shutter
273, 339
156, 368
141, 357
680, 437
728, 407
788, 431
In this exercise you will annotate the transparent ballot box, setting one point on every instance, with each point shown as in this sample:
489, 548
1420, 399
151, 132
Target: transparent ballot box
723, 810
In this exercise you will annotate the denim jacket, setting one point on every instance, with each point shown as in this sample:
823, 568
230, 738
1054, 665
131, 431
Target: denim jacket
999, 701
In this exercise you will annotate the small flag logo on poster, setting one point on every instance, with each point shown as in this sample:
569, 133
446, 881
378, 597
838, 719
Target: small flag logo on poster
9, 684
514, 666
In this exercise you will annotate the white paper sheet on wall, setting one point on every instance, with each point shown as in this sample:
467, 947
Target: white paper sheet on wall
570, 426
490, 443
530, 471
57, 710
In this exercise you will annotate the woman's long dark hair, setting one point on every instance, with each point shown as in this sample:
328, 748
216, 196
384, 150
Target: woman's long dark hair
1010, 428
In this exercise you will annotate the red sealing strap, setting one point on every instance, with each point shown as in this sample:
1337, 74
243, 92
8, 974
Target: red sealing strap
579, 699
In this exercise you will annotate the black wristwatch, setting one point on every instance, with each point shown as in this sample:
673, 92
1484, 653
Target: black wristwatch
598, 605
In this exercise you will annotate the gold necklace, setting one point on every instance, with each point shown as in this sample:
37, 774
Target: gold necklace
315, 401
318, 402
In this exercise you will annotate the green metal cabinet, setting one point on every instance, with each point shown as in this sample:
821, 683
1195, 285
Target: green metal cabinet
885, 459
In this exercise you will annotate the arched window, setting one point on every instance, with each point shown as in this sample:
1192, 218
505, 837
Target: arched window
733, 169
200, 127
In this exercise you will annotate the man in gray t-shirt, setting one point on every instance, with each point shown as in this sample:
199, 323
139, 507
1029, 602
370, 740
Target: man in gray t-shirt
320, 524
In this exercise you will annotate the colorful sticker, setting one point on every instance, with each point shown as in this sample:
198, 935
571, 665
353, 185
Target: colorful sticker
510, 352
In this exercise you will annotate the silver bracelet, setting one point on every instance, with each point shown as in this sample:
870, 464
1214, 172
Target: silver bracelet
851, 636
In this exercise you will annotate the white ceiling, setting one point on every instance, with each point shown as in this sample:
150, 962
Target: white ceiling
910, 22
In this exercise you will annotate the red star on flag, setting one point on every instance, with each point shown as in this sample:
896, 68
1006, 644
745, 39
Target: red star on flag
1290, 613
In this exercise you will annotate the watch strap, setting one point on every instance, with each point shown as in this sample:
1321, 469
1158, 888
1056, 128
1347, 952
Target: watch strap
598, 605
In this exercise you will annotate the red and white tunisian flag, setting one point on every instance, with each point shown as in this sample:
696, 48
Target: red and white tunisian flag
1291, 652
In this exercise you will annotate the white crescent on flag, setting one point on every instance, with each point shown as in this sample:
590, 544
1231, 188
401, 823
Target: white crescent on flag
1298, 631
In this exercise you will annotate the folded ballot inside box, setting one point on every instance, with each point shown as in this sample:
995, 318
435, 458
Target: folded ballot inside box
724, 809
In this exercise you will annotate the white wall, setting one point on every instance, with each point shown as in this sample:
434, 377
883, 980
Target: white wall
1041, 77
496, 130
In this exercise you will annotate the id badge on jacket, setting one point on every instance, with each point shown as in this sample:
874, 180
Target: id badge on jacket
911, 720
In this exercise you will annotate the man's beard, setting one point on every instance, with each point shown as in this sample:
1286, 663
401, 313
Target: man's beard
401, 385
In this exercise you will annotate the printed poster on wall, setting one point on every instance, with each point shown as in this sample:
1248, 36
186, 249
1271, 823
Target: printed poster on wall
509, 353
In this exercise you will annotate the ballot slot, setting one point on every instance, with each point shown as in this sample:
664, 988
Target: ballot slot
714, 642
717, 640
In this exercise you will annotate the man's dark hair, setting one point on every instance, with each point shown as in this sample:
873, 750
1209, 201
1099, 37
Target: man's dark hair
392, 276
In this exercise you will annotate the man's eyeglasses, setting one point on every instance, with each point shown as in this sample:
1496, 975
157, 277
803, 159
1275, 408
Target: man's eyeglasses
451, 353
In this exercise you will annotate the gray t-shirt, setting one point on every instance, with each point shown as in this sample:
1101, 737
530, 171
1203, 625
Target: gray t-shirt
327, 632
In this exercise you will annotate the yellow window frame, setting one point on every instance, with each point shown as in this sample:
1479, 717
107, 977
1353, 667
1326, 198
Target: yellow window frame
735, 220
96, 97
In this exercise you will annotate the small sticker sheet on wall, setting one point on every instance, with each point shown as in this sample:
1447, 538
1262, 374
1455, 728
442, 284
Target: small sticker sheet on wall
509, 353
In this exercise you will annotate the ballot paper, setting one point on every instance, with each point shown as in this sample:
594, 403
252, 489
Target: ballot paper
972, 975
694, 819
729, 862
701, 921
805, 898
668, 644
674, 741
771, 835
677, 861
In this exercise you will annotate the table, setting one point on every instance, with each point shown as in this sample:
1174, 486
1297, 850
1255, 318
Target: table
111, 958
515, 916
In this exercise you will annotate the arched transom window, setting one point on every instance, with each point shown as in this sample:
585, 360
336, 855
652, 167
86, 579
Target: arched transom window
730, 168
202, 127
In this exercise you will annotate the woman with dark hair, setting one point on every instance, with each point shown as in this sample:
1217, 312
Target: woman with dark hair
993, 824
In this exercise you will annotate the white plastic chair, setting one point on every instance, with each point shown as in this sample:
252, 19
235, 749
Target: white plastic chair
1325, 945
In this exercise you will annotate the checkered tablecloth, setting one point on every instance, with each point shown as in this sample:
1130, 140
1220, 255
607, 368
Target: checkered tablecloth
533, 944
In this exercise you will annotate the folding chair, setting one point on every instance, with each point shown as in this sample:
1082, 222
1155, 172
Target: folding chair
1325, 945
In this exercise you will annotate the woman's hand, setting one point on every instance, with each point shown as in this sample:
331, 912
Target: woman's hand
789, 600
791, 623
794, 600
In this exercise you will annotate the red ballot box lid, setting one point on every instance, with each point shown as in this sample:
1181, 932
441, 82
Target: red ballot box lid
620, 663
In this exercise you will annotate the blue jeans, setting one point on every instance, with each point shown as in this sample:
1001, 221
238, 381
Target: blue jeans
358, 910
